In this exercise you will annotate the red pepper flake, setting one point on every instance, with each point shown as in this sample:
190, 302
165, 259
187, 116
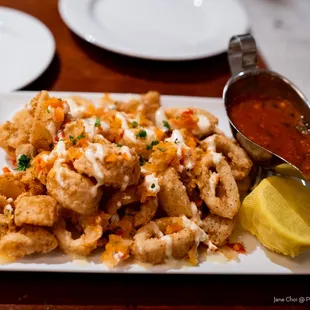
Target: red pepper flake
6, 170
238, 247
118, 232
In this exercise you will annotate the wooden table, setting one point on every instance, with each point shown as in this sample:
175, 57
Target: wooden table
78, 66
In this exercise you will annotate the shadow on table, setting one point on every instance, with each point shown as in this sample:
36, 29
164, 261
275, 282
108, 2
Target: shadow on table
165, 71
48, 78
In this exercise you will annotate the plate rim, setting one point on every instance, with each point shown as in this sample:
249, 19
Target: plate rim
88, 38
49, 52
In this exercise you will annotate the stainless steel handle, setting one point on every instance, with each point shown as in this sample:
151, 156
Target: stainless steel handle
242, 53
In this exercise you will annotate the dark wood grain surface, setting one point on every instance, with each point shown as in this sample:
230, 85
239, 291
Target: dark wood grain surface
78, 66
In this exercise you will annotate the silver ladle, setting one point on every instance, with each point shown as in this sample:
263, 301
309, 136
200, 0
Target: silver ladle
248, 79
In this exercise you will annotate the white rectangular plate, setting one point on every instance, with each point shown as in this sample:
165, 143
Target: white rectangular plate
258, 260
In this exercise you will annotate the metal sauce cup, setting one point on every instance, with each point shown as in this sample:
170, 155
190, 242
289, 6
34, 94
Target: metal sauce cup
250, 81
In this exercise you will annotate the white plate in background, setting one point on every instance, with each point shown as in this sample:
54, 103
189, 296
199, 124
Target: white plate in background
157, 29
27, 48
258, 260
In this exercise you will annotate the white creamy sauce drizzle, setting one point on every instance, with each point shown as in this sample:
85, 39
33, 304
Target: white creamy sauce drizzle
216, 157
123, 120
60, 149
9, 200
169, 242
94, 189
51, 110
183, 151
195, 214
203, 125
104, 126
130, 135
150, 135
160, 118
8, 212
156, 230
213, 181
59, 170
210, 142
58, 152
51, 127
125, 150
200, 235
90, 128
126, 182
76, 111
92, 153
151, 183
118, 256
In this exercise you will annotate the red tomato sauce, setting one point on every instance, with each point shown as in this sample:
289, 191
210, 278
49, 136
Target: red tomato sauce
276, 125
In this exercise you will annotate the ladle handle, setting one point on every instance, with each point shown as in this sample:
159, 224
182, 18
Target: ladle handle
242, 53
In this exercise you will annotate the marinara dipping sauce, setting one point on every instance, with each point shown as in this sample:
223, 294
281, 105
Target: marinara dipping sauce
276, 125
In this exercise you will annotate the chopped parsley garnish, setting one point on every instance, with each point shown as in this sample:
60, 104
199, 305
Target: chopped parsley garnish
23, 163
141, 134
59, 99
141, 161
150, 146
118, 145
97, 122
134, 124
48, 110
80, 137
161, 149
75, 140
166, 125
153, 185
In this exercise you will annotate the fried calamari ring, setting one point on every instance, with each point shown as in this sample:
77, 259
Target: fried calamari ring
173, 197
167, 238
92, 227
238, 159
218, 228
218, 189
131, 195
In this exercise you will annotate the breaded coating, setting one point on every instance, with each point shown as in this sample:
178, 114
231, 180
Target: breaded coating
173, 196
218, 228
44, 127
239, 161
15, 133
72, 190
33, 185
146, 106
150, 103
122, 199
27, 241
11, 185
87, 242
111, 165
3, 225
218, 189
152, 246
35, 210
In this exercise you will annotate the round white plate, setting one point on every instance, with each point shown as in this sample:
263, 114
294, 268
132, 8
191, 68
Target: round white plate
156, 29
27, 48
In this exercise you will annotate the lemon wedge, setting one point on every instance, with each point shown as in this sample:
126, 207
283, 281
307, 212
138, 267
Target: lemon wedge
277, 212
